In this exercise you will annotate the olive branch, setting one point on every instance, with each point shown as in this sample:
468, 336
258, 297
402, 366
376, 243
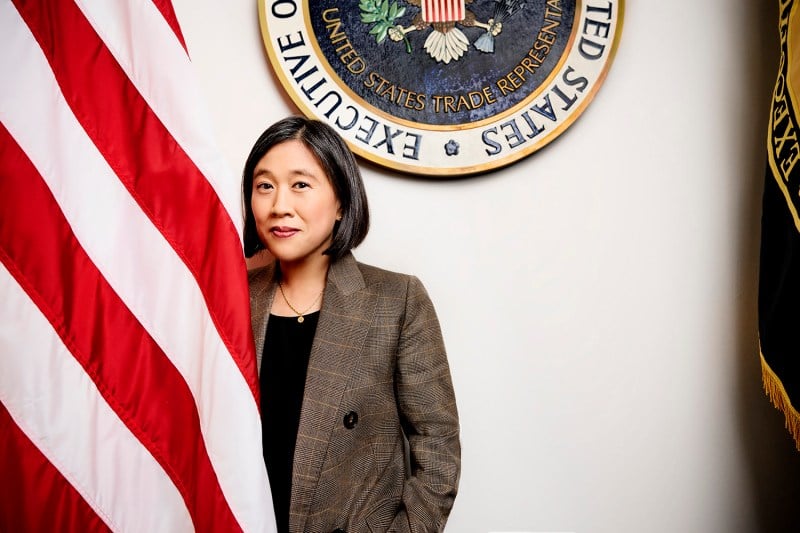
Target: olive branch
383, 14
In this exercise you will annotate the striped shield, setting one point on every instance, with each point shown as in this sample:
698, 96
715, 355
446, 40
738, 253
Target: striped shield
442, 10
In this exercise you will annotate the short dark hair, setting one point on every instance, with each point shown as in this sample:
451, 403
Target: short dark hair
339, 164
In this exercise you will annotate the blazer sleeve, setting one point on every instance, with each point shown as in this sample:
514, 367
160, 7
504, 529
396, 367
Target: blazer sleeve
428, 415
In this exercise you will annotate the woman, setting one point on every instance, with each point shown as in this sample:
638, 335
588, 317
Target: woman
360, 427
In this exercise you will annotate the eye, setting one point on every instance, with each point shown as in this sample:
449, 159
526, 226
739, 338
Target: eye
301, 185
263, 186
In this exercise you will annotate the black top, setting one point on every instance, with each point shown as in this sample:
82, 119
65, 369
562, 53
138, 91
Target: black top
287, 346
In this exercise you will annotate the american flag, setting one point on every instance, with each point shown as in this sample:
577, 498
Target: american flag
442, 10
128, 388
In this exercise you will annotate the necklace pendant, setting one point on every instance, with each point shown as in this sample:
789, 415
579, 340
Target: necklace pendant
300, 319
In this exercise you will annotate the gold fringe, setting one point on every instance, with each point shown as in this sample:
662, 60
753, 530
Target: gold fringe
777, 395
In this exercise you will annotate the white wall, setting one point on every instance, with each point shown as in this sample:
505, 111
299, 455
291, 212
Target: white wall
597, 298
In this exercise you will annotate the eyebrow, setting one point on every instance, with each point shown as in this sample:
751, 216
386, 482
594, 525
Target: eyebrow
296, 172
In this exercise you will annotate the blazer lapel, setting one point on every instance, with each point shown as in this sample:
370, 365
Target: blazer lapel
347, 313
262, 291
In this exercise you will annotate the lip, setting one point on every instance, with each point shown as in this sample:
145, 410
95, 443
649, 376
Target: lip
283, 232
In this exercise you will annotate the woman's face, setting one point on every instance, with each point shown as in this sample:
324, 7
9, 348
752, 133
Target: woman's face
293, 203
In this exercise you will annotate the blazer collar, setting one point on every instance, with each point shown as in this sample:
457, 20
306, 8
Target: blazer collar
345, 275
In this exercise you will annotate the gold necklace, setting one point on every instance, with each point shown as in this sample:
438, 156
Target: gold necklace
299, 314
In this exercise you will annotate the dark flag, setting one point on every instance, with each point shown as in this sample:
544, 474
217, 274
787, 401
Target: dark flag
779, 283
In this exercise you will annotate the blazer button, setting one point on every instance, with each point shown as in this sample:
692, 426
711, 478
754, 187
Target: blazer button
350, 420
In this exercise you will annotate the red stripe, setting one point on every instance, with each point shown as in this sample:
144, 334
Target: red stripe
167, 11
152, 166
131, 372
34, 496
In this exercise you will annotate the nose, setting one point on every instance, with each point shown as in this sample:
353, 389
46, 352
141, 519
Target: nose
281, 204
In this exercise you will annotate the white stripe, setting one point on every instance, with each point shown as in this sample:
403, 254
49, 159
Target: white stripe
139, 265
58, 407
146, 48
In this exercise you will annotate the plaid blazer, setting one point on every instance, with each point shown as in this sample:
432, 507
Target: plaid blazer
378, 445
